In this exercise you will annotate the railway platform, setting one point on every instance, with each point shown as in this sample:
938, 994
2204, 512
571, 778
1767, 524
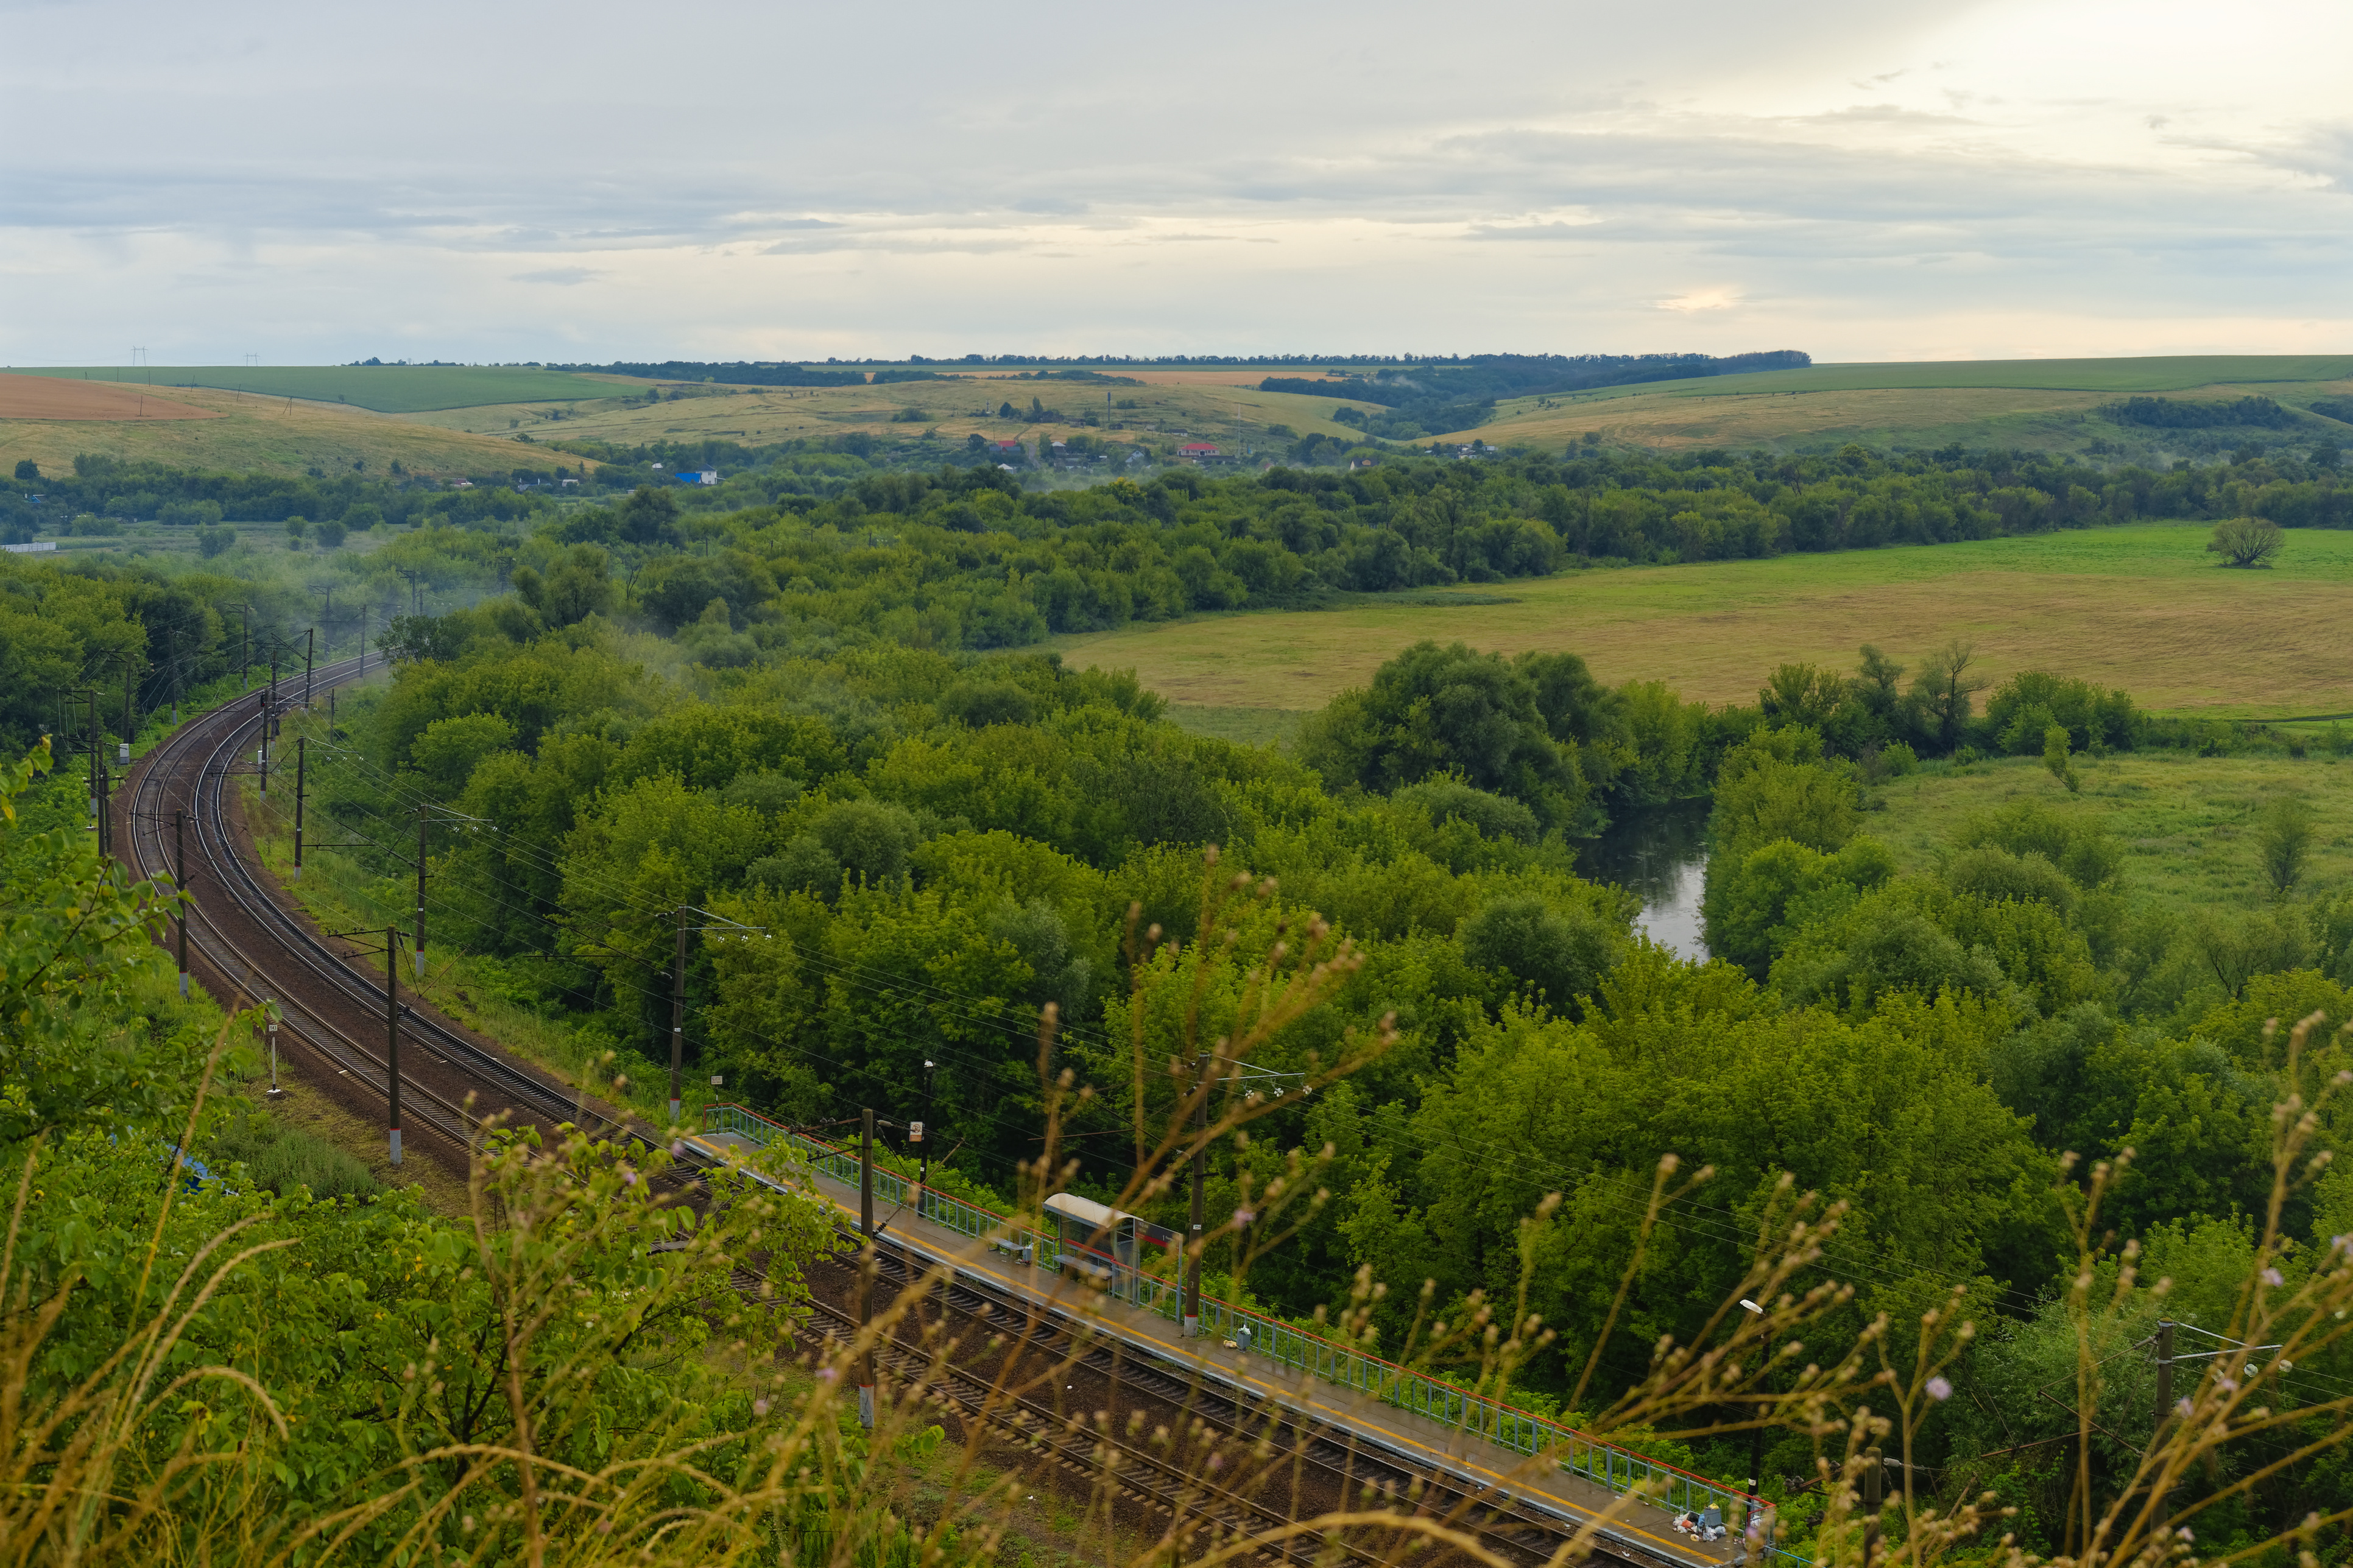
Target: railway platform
1546, 1471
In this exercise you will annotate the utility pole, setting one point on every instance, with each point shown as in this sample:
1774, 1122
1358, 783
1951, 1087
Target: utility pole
93, 765
392, 1028
244, 669
1873, 1478
310, 646
273, 1091
2158, 1512
301, 744
270, 709
866, 1266
1194, 1258
180, 877
678, 1018
420, 892
124, 754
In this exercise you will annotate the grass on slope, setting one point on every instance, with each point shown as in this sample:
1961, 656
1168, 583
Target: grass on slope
1161, 411
2141, 606
260, 435
2109, 377
1721, 414
2187, 824
2023, 403
387, 389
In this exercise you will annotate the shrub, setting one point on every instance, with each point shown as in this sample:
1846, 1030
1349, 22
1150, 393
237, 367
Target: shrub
2246, 540
2283, 839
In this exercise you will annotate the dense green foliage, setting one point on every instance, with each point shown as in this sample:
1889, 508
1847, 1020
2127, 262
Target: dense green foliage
2191, 414
771, 709
254, 1352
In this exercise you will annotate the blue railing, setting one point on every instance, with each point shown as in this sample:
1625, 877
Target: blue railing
1621, 1471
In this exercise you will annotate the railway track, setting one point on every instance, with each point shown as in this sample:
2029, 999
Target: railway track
245, 943
1319, 1469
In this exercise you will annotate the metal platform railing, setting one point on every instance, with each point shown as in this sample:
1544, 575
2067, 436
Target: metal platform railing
1620, 1469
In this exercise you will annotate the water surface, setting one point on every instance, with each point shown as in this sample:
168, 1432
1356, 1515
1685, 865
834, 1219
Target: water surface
1660, 855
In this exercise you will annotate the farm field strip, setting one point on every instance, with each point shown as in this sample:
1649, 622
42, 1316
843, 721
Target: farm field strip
1225, 415
2141, 606
385, 389
244, 433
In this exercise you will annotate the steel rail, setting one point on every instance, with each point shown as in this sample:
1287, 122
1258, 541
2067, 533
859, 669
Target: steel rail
198, 760
1344, 1461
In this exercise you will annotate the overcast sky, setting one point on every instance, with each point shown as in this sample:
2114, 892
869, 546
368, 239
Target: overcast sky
1895, 179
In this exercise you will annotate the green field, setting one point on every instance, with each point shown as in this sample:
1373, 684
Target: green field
2141, 606
268, 435
2035, 404
2168, 372
2185, 823
386, 389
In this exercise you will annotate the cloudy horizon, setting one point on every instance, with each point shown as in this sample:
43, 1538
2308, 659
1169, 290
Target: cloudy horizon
1922, 181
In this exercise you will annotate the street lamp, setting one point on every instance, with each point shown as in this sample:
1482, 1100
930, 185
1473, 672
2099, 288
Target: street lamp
1756, 1437
922, 1145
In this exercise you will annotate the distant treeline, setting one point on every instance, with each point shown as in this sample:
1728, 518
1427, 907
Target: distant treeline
2186, 414
111, 489
1458, 394
968, 559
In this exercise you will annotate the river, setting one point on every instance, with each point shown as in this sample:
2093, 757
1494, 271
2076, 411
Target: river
1658, 854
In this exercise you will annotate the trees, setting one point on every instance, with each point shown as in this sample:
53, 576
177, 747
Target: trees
1433, 710
1946, 688
2246, 540
76, 942
2284, 841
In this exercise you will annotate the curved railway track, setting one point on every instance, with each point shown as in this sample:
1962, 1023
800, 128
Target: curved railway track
245, 943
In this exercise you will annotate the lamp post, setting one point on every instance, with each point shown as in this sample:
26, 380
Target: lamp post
916, 1135
1756, 1437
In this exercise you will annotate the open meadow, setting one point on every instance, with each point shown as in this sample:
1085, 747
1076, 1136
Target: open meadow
2141, 606
385, 388
2187, 824
1152, 408
2043, 403
50, 420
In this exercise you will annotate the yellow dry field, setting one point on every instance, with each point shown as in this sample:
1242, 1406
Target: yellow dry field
1679, 416
58, 397
247, 434
1159, 411
2142, 607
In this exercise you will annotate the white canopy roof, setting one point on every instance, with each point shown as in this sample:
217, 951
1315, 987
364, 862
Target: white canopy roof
1086, 1211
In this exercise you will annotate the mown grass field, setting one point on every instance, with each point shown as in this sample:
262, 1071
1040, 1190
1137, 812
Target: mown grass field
2143, 608
1156, 410
2187, 824
2025, 403
387, 389
266, 435
2108, 377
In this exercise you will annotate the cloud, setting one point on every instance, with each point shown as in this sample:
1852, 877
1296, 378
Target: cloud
1118, 186
1700, 300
